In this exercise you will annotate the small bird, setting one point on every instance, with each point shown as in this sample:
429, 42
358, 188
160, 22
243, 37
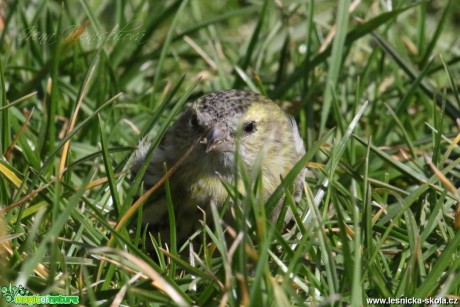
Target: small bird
214, 126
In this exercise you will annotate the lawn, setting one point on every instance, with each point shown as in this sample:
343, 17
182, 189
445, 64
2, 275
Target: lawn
372, 84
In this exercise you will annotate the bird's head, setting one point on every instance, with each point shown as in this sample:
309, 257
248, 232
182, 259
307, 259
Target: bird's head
219, 121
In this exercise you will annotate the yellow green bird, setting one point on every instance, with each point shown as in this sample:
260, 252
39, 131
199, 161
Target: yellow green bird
213, 126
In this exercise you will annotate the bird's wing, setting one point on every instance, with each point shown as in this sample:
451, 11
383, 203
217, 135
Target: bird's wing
154, 170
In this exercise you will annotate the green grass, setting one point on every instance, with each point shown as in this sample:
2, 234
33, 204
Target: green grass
377, 105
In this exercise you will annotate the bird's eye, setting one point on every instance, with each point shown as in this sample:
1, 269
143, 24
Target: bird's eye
249, 127
194, 121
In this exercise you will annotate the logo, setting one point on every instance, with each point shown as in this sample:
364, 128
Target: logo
22, 296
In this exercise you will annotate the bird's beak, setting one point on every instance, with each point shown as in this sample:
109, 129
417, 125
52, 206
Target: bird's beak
217, 140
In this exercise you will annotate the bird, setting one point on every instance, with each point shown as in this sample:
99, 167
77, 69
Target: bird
214, 129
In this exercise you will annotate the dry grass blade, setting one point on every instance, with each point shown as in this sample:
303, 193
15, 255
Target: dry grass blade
26, 198
450, 187
9, 151
121, 294
141, 266
18, 101
73, 120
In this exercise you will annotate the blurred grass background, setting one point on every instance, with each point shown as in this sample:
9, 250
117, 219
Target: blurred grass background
82, 82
